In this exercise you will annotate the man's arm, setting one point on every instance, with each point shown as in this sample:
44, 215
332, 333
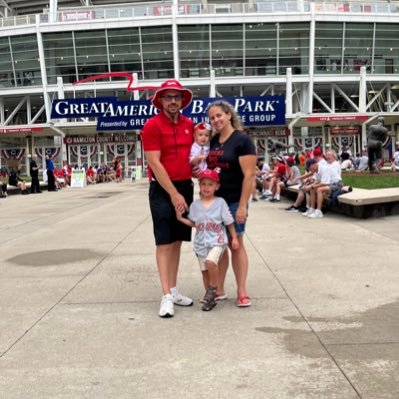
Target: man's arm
154, 162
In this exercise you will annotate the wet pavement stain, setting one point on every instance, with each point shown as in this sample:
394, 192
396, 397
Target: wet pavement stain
53, 257
369, 336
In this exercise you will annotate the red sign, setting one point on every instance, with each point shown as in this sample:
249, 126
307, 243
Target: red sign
345, 130
337, 118
22, 130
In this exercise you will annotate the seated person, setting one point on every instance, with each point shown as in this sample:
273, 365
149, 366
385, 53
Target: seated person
395, 160
277, 182
304, 188
267, 174
91, 175
329, 181
293, 172
15, 181
59, 176
346, 163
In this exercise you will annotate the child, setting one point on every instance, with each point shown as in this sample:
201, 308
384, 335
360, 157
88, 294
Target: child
210, 216
200, 147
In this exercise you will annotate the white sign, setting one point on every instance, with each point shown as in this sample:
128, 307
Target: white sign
78, 179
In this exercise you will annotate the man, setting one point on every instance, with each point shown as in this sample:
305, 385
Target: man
376, 137
329, 180
167, 139
50, 174
306, 180
34, 174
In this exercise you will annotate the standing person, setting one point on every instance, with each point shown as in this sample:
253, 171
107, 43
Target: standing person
167, 139
34, 174
210, 216
233, 152
50, 174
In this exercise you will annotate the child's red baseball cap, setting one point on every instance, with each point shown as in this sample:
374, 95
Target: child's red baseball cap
209, 174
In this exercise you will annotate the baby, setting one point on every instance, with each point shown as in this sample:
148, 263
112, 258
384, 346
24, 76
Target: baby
200, 147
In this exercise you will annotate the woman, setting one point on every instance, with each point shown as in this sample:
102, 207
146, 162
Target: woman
233, 152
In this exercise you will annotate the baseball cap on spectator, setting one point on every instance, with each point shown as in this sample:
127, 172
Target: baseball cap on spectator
209, 174
172, 84
281, 169
290, 160
317, 152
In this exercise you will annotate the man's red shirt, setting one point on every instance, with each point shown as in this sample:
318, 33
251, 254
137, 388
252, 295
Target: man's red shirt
173, 140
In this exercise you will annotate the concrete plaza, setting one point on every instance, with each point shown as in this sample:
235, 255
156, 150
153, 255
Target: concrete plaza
79, 299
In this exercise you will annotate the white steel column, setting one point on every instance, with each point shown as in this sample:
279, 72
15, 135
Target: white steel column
212, 84
311, 58
53, 11
1, 111
363, 103
61, 96
139, 159
288, 95
43, 69
176, 64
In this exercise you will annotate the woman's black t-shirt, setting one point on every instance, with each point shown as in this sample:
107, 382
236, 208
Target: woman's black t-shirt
225, 156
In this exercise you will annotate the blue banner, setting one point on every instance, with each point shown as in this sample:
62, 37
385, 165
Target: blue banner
113, 114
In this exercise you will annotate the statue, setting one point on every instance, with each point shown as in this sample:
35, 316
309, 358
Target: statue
277, 146
377, 134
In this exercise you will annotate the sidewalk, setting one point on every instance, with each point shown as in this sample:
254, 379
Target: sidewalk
79, 300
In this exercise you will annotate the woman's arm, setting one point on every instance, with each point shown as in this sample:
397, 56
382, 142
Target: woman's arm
247, 163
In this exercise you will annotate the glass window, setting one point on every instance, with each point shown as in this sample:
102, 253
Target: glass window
6, 71
194, 50
328, 47
26, 60
125, 51
358, 47
59, 55
386, 53
294, 47
227, 49
91, 53
260, 49
157, 45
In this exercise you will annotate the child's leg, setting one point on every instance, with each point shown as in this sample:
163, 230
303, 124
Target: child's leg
205, 278
213, 273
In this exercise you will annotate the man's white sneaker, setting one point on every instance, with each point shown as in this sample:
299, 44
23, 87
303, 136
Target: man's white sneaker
317, 214
179, 299
308, 212
167, 308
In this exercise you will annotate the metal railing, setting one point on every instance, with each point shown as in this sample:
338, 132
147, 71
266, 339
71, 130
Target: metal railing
165, 9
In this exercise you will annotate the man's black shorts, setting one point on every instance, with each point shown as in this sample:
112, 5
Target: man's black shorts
167, 229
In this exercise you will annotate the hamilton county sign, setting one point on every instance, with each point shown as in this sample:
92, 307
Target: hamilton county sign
113, 114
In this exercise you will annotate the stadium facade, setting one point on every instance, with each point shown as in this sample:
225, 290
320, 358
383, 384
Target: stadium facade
336, 64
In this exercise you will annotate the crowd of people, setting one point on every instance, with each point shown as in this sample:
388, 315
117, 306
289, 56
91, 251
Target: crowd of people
322, 177
58, 179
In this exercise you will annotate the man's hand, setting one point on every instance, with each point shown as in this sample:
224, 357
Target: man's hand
179, 203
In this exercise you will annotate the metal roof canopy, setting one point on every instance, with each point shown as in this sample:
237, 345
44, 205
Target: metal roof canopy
344, 119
